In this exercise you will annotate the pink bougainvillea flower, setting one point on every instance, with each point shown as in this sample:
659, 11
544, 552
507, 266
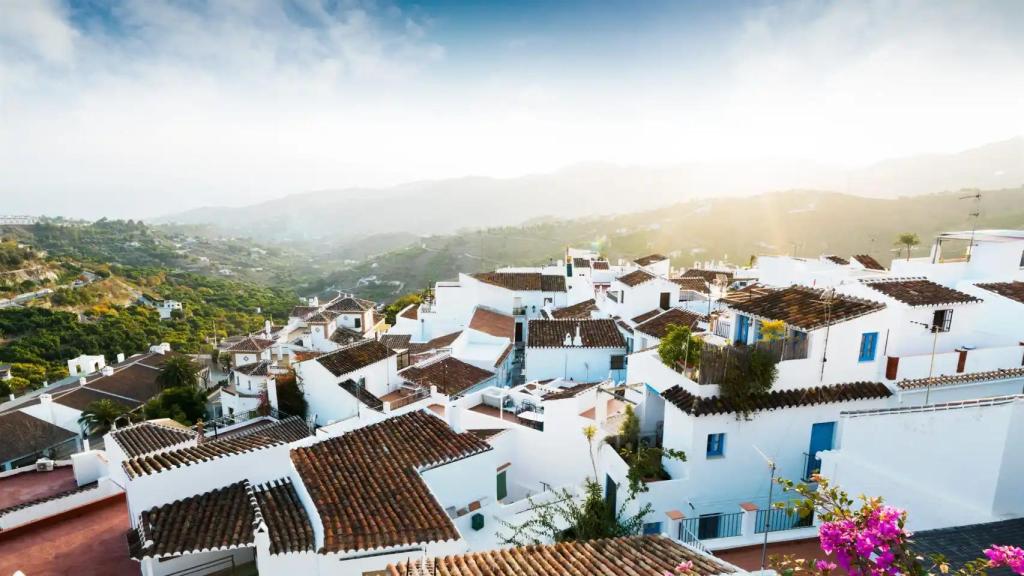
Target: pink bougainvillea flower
1009, 556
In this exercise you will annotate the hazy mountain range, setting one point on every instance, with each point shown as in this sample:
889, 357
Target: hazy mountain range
445, 206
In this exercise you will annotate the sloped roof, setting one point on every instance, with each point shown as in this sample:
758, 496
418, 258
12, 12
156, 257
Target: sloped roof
189, 456
351, 305
345, 336
649, 259
806, 308
287, 521
411, 312
600, 265
261, 368
868, 262
646, 316
961, 544
578, 262
361, 394
837, 260
354, 357
636, 277
579, 310
494, 323
24, 435
594, 333
626, 556
451, 375
290, 429
919, 292
435, 344
658, 326
1012, 290
523, 281
396, 341
251, 344
693, 284
776, 399
366, 487
708, 275
964, 378
570, 391
146, 437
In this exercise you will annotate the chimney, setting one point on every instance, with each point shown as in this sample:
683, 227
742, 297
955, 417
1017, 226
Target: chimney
82, 381
12, 396
568, 340
120, 357
266, 327
200, 431
46, 384
107, 371
577, 341
46, 401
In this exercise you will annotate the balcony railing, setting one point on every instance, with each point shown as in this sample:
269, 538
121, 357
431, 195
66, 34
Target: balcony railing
519, 310
779, 519
412, 397
715, 525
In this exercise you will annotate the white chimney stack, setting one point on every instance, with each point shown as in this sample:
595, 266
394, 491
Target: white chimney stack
12, 396
120, 357
81, 382
577, 341
266, 327
107, 370
46, 401
568, 340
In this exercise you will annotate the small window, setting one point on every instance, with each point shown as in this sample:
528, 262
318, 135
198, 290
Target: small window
359, 323
716, 445
1022, 259
868, 345
652, 528
942, 320
618, 362
403, 360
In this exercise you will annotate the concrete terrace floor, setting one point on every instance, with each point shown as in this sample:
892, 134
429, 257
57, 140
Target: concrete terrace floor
28, 486
89, 541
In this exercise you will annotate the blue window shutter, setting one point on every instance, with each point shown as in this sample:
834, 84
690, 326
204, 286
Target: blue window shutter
868, 346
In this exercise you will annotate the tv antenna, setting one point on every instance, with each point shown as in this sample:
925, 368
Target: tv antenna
975, 215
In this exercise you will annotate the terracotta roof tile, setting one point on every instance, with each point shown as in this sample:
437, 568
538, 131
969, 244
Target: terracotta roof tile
580, 263
351, 305
366, 485
646, 316
209, 450
747, 293
494, 323
868, 262
286, 518
303, 312
600, 265
251, 344
355, 356
345, 336
24, 435
693, 284
805, 308
438, 343
1012, 290
627, 556
964, 378
636, 277
837, 260
595, 333
411, 312
776, 399
396, 341
291, 429
451, 375
261, 368
146, 437
658, 326
579, 310
570, 391
919, 292
649, 259
709, 275
523, 281
361, 394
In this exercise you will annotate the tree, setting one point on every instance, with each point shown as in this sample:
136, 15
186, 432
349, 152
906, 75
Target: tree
182, 404
587, 518
749, 374
290, 399
678, 345
644, 461
908, 239
179, 371
99, 416
773, 330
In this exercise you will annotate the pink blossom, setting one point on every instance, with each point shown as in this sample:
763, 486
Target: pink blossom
825, 565
1009, 556
685, 566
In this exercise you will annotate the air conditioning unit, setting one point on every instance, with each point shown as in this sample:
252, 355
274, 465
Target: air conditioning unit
44, 465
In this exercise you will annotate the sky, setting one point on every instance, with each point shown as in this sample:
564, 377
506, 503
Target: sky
137, 108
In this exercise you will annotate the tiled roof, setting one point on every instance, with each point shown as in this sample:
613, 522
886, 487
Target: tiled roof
570, 391
354, 357
366, 485
580, 310
965, 378
435, 344
395, 341
221, 519
494, 323
837, 260
658, 326
523, 281
649, 259
776, 399
351, 305
745, 294
708, 275
1012, 290
146, 437
251, 344
346, 336
303, 312
600, 265
868, 262
919, 292
595, 333
291, 429
451, 375
261, 368
636, 277
504, 354
580, 263
209, 450
961, 544
627, 556
693, 284
322, 317
24, 435
361, 394
135, 381
646, 316
80, 397
286, 518
411, 312
805, 308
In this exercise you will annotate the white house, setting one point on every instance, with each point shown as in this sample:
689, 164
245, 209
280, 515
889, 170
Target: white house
575, 349
332, 382
167, 307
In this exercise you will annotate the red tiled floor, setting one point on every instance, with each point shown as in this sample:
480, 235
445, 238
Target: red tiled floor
749, 557
91, 543
29, 486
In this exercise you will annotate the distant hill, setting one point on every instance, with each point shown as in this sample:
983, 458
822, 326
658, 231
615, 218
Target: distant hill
447, 206
805, 223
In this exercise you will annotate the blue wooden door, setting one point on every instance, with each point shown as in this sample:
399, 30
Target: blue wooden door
742, 328
822, 435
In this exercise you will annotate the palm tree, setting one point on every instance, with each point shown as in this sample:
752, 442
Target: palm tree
99, 415
178, 372
908, 239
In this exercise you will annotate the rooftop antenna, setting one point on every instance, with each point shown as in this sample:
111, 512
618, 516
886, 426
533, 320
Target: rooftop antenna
768, 513
975, 215
826, 298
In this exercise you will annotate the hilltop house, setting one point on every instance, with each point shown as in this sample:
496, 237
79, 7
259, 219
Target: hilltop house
580, 350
